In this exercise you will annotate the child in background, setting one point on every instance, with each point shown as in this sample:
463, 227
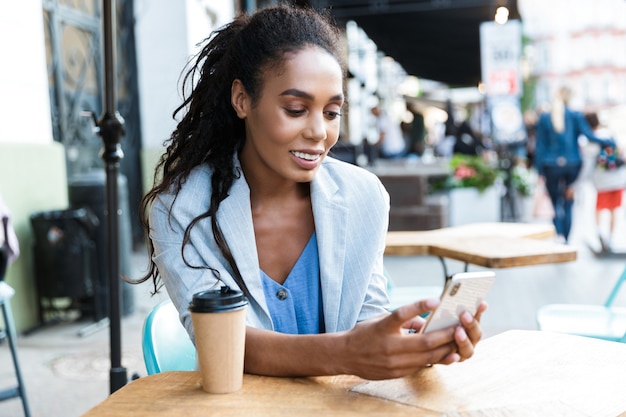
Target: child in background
609, 179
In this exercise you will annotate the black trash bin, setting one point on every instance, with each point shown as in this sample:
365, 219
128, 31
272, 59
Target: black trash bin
65, 260
88, 190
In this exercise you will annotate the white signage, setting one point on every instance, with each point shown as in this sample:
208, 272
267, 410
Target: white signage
500, 53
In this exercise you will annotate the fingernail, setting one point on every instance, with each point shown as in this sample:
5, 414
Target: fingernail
466, 317
432, 303
461, 334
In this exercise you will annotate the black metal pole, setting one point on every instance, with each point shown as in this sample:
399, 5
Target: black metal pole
111, 128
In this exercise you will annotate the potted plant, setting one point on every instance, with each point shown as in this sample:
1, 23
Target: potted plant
469, 171
522, 182
473, 190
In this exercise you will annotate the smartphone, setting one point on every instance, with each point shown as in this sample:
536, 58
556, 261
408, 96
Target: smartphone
463, 292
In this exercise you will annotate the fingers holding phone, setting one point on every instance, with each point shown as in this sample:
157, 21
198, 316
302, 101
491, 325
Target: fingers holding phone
462, 305
464, 292
406, 343
467, 335
471, 323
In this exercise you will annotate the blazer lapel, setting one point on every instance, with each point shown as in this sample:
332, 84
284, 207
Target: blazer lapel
235, 220
330, 215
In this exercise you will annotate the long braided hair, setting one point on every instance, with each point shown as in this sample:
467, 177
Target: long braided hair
210, 132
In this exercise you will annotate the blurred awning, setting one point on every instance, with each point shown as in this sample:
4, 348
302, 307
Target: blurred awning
433, 39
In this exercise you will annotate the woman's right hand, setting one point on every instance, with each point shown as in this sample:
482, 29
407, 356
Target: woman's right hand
380, 349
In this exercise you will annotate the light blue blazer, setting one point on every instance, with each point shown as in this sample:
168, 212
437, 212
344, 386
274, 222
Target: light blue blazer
351, 212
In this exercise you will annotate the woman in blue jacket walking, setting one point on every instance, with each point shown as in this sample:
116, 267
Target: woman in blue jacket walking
557, 156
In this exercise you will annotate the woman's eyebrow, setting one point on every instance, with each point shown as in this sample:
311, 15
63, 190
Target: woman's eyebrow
302, 94
297, 93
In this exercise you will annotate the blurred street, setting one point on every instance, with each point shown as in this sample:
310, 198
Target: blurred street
65, 374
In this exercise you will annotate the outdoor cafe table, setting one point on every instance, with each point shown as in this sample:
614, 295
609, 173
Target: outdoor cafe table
518, 373
491, 245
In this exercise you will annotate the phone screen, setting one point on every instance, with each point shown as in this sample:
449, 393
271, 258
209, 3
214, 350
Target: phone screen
463, 292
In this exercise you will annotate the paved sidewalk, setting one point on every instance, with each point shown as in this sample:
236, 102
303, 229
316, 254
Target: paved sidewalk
66, 375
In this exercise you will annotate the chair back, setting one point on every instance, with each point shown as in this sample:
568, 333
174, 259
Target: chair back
618, 285
4, 248
607, 322
166, 344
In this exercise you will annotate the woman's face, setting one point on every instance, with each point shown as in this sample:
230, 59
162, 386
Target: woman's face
296, 120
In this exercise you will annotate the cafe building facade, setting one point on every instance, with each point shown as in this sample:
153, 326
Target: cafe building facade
52, 90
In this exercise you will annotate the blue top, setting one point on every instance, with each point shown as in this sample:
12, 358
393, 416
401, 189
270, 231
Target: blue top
554, 148
296, 306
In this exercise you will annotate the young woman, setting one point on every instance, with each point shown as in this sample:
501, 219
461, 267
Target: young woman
557, 156
247, 196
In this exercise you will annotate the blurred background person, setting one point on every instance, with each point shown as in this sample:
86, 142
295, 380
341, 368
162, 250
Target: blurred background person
557, 156
445, 146
391, 142
530, 125
415, 132
467, 140
608, 178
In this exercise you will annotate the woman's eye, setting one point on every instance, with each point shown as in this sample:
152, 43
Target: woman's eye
295, 112
332, 115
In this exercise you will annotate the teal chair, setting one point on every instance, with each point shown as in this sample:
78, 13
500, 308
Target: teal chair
606, 321
166, 344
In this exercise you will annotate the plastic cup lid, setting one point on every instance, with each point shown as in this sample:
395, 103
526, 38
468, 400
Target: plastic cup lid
223, 299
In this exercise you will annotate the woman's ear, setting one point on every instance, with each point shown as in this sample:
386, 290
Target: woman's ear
239, 99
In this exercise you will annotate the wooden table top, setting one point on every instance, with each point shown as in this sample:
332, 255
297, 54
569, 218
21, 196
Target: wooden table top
513, 374
492, 245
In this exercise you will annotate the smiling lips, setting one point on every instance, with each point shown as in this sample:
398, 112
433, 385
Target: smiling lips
306, 156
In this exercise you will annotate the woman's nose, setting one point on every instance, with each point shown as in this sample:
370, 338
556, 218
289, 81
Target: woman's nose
316, 130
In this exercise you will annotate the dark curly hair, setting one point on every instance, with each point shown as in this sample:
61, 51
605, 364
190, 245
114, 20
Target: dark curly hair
210, 131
